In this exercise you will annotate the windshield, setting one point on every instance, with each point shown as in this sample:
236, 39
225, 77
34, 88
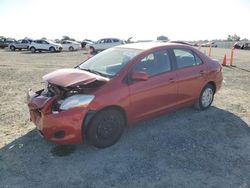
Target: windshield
109, 62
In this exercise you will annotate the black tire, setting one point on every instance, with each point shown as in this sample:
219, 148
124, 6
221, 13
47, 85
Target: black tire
19, 49
52, 49
71, 48
106, 128
206, 97
32, 49
12, 48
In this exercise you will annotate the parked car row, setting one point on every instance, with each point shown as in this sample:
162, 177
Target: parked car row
208, 44
65, 45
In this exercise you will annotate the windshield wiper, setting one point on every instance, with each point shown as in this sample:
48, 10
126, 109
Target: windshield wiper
97, 72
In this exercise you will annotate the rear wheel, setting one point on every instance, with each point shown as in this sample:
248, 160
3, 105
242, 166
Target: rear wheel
52, 49
206, 97
32, 49
106, 128
71, 48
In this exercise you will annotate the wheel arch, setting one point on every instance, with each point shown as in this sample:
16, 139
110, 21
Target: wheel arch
92, 47
213, 84
92, 113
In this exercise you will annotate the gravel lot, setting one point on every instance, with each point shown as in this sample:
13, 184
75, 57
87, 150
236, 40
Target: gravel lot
187, 148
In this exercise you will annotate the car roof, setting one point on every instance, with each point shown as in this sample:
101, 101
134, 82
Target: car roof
109, 38
149, 45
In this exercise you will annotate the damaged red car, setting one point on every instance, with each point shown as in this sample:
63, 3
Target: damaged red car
120, 86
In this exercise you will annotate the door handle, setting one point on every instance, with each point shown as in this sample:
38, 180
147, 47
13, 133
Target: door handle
172, 80
202, 72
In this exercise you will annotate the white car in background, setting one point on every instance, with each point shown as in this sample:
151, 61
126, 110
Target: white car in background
71, 45
45, 45
104, 44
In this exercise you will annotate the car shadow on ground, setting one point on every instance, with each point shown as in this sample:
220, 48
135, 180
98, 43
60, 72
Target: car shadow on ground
42, 52
183, 149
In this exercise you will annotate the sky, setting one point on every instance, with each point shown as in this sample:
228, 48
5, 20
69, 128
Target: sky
140, 19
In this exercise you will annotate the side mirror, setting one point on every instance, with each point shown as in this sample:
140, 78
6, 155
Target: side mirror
140, 76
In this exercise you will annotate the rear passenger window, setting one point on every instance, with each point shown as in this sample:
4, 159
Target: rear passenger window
198, 60
184, 58
155, 63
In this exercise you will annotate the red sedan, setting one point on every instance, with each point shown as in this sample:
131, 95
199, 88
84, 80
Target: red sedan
97, 99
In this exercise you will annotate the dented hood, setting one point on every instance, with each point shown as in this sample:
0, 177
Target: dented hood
72, 77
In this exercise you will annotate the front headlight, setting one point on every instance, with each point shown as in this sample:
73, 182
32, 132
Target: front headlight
76, 101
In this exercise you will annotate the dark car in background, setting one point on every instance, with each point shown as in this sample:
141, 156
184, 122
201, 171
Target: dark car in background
4, 42
20, 44
242, 45
246, 46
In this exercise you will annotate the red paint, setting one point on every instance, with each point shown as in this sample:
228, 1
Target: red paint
71, 77
139, 100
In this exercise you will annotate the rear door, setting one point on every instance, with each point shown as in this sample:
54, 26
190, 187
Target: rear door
116, 42
24, 44
18, 44
159, 92
191, 74
38, 44
109, 43
100, 45
66, 45
45, 45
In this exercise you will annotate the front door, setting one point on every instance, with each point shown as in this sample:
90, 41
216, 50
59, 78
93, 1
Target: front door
159, 92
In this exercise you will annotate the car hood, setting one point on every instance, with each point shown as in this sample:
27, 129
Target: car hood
72, 77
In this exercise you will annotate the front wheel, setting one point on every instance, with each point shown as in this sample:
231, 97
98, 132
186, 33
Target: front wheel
33, 50
52, 49
206, 97
71, 48
106, 128
12, 48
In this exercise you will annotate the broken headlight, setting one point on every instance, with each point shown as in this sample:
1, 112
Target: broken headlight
76, 101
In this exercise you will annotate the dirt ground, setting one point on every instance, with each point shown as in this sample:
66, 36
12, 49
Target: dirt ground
182, 149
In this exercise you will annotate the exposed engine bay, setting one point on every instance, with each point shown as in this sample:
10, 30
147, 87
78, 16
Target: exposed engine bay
62, 93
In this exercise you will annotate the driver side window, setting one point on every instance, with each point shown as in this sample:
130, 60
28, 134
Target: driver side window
154, 63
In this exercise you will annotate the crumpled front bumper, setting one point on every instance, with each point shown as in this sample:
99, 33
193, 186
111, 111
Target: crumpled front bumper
62, 127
